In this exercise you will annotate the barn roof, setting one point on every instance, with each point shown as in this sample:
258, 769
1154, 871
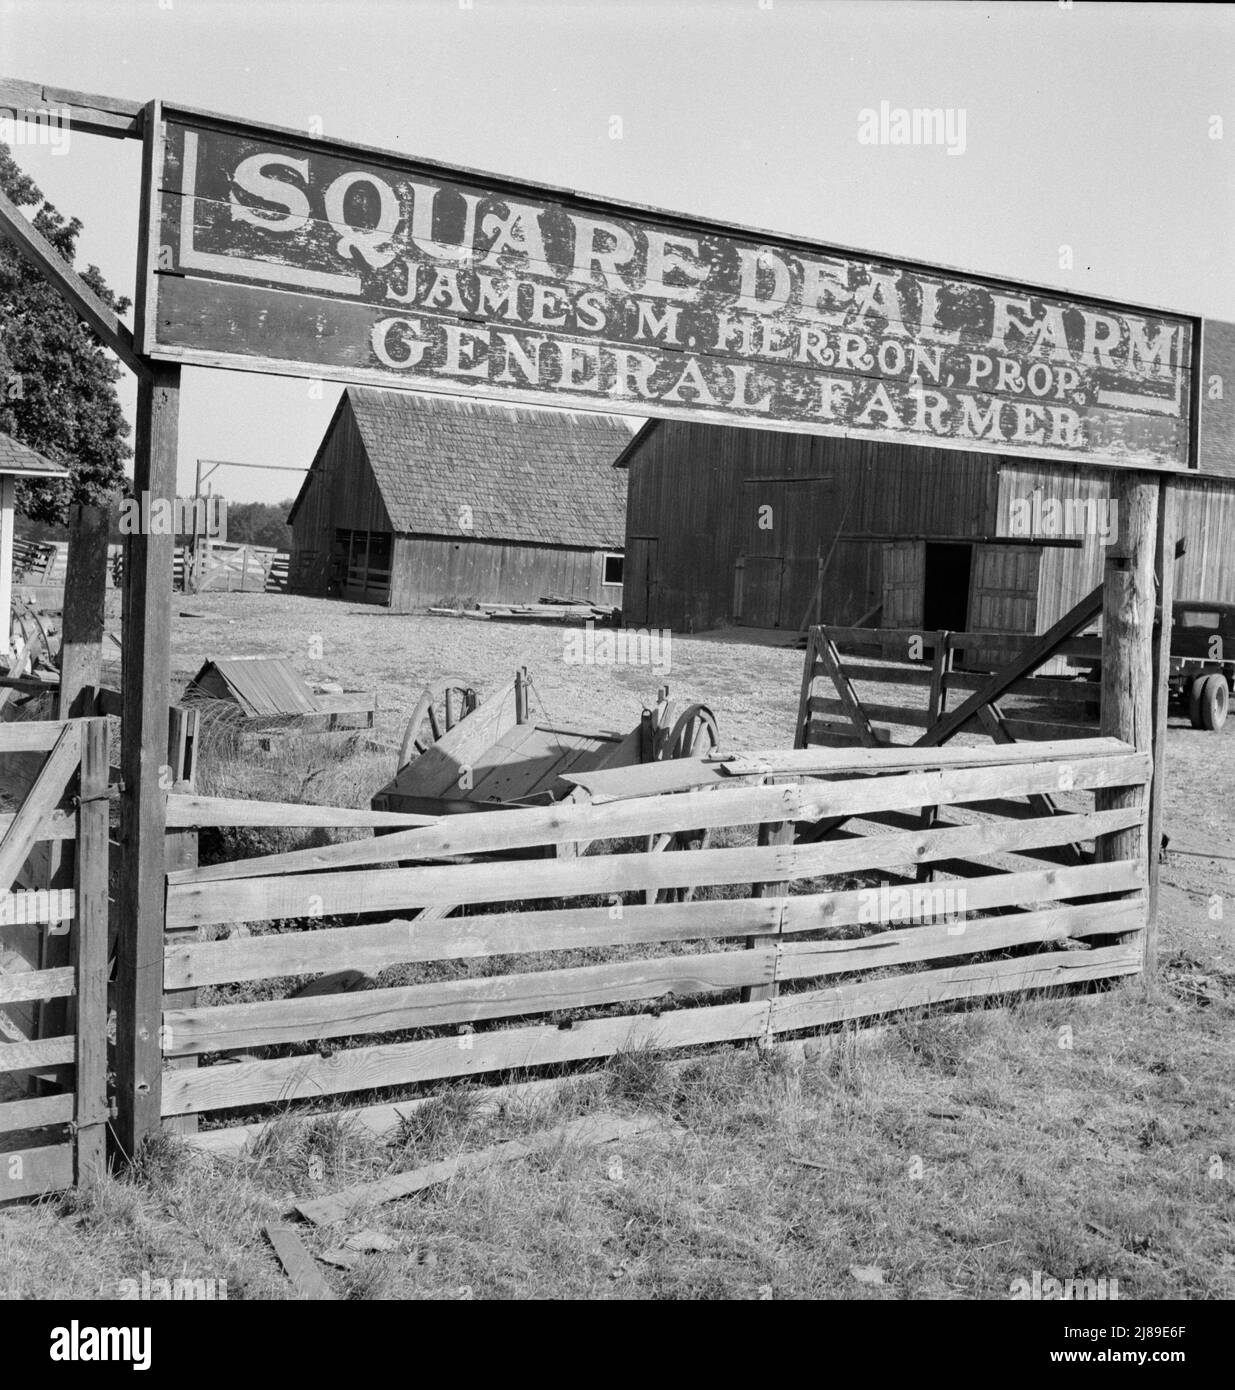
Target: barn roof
540, 476
26, 462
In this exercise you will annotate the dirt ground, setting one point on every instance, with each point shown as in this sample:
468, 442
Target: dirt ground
750, 680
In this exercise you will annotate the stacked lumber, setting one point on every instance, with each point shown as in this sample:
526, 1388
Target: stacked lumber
547, 610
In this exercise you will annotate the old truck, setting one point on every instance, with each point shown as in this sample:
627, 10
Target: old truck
1202, 666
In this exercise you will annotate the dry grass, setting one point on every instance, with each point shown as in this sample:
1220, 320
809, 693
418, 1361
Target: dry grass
956, 1152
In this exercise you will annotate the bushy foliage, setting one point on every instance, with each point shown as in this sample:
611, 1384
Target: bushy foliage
57, 382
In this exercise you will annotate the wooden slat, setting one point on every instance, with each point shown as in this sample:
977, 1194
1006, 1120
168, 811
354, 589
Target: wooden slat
33, 736
801, 726
90, 956
42, 798
873, 998
890, 674
889, 714
37, 1113
1033, 656
186, 811
588, 1129
37, 984
1050, 689
59, 825
682, 774
393, 890
87, 111
33, 1172
307, 1279
470, 1054
293, 1078
46, 1052
231, 1027
375, 946
485, 833
850, 703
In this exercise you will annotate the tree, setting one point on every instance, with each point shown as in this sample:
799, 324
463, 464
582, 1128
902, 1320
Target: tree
57, 382
259, 523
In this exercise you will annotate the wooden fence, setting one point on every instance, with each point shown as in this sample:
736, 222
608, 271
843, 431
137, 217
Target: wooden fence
854, 684
53, 1105
560, 957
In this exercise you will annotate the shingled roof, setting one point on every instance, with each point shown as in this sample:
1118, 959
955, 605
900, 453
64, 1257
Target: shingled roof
540, 476
18, 458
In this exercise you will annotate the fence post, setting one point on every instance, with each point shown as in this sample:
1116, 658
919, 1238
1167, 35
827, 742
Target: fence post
770, 833
1164, 573
1127, 652
936, 706
146, 676
90, 955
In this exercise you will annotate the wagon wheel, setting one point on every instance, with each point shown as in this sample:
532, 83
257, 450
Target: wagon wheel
441, 706
694, 735
35, 639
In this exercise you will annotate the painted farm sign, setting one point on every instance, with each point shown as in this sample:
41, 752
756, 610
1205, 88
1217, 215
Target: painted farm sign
276, 252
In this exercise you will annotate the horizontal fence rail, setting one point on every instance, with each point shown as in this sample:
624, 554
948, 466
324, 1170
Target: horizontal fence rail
567, 956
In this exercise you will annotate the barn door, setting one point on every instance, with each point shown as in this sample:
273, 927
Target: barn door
904, 579
1003, 594
639, 580
757, 590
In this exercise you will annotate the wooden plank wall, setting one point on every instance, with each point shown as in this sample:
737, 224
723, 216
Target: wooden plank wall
689, 487
340, 492
440, 570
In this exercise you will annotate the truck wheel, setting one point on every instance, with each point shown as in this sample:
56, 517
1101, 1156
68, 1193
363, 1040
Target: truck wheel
1195, 691
1215, 698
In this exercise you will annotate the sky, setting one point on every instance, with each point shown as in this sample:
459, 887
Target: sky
1106, 128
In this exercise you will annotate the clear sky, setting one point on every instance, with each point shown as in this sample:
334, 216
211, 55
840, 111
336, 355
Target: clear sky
1086, 125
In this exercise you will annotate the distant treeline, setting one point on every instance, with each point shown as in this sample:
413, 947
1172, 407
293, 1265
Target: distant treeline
248, 523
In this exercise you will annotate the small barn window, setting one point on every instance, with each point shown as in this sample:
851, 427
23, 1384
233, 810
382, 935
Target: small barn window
613, 571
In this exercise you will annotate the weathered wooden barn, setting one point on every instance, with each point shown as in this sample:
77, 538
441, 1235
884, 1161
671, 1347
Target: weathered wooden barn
416, 500
728, 525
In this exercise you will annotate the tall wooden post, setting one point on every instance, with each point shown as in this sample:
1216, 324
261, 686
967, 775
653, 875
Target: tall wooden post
146, 674
1127, 645
1164, 574
81, 667
85, 590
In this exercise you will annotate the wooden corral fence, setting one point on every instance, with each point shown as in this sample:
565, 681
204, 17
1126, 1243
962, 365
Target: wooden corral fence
996, 667
53, 1105
223, 567
558, 960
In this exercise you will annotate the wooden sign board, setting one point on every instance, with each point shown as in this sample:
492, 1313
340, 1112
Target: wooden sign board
277, 252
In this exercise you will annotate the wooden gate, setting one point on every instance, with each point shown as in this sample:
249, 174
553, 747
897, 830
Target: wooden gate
53, 1101
583, 964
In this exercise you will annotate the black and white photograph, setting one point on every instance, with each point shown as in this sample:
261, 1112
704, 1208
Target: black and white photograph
621, 623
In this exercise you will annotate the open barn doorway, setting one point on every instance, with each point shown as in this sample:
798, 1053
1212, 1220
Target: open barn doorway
945, 589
